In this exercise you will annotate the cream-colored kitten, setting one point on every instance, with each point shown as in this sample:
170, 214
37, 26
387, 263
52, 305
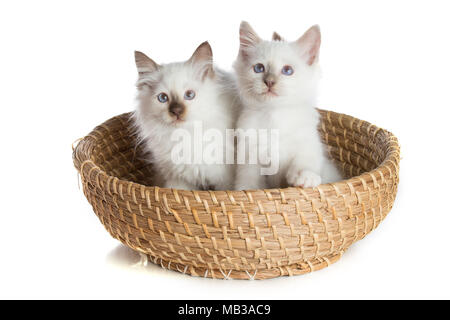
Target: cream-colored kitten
180, 97
278, 86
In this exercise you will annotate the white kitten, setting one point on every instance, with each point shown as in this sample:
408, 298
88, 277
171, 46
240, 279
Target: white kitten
278, 87
180, 96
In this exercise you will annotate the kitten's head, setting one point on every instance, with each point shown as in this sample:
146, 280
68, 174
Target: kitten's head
177, 93
277, 70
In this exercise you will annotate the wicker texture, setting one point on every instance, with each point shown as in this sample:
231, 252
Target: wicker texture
255, 234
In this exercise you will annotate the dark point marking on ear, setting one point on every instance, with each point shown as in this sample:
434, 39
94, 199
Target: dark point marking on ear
144, 65
248, 38
276, 37
203, 55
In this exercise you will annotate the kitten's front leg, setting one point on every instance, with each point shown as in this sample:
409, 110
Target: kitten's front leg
249, 177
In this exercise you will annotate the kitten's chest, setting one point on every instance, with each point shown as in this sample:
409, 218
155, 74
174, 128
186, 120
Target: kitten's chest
188, 147
293, 130
287, 122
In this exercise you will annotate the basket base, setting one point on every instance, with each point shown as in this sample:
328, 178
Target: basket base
291, 270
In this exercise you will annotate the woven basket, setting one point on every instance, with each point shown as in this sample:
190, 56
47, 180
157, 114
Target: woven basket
255, 234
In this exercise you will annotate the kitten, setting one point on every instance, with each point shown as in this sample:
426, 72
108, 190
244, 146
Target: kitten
183, 95
278, 86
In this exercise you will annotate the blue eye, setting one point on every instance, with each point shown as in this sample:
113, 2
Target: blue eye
258, 68
287, 70
162, 97
189, 95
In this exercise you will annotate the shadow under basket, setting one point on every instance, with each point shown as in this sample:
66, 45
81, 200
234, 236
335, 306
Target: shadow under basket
252, 234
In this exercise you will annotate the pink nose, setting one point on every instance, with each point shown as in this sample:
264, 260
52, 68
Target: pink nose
269, 83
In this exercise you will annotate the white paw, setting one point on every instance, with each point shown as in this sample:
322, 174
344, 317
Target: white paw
304, 179
142, 262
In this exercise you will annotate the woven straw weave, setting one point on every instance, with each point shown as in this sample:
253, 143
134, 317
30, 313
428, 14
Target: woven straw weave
256, 234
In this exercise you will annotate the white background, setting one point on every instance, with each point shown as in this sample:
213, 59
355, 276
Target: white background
66, 66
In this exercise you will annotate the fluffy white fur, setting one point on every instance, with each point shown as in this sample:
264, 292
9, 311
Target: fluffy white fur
288, 107
213, 105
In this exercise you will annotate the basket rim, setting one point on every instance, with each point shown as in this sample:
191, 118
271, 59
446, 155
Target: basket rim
390, 163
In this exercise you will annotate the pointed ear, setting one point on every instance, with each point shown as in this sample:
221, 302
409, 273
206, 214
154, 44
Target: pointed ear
277, 37
310, 44
247, 37
144, 64
203, 56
